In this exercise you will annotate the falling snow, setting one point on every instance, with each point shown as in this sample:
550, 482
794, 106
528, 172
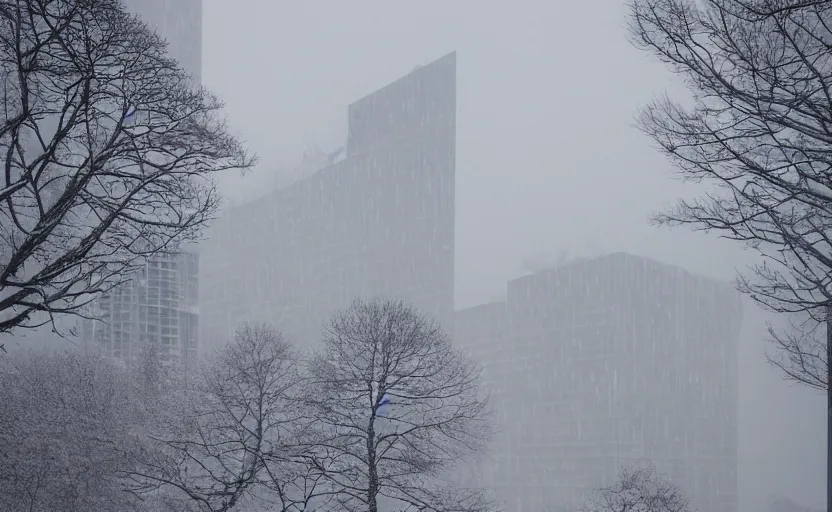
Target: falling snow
443, 177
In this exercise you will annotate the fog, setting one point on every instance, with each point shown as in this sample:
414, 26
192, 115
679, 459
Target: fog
550, 172
548, 159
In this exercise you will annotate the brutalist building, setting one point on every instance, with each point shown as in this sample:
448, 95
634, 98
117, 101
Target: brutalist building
602, 363
377, 223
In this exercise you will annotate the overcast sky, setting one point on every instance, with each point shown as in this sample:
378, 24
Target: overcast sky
547, 158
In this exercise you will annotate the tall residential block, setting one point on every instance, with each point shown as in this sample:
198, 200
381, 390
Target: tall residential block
602, 363
158, 307
379, 222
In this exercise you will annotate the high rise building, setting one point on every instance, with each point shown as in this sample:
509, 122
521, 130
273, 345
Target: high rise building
378, 222
601, 363
159, 305
180, 23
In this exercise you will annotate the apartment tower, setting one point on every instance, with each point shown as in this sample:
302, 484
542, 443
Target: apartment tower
602, 363
375, 221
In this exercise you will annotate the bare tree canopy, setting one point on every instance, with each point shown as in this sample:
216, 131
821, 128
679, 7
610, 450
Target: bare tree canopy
760, 131
236, 438
397, 409
64, 422
639, 489
108, 151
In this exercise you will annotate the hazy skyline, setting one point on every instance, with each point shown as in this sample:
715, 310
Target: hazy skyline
547, 157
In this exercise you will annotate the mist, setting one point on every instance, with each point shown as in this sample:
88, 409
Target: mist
548, 159
549, 169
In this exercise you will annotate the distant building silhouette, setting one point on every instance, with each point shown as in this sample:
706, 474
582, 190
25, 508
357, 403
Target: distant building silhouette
376, 221
600, 363
180, 23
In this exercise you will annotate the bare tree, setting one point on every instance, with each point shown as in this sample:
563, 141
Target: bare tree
108, 152
760, 131
639, 489
397, 411
64, 420
238, 439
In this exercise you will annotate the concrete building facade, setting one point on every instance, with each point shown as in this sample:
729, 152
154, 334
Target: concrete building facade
602, 363
179, 22
377, 222
157, 307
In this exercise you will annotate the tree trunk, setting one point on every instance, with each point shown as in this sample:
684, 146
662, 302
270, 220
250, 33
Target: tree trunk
828, 409
372, 470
